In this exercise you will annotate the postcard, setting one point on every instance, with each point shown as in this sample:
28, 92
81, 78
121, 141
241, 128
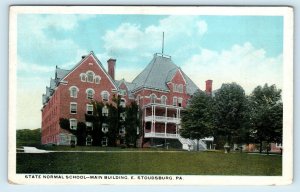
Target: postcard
151, 95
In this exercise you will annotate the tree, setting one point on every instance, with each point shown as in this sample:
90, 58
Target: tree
132, 123
196, 120
266, 111
230, 109
81, 134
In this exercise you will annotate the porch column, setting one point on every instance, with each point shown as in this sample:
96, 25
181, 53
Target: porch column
154, 119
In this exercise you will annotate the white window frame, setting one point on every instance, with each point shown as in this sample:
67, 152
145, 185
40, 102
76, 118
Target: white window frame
179, 100
122, 130
105, 111
123, 102
73, 103
154, 97
87, 76
105, 93
87, 93
175, 101
73, 121
76, 92
104, 130
83, 77
163, 99
104, 140
97, 79
89, 124
87, 109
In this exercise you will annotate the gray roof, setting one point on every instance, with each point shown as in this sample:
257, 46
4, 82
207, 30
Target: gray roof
61, 73
158, 72
52, 84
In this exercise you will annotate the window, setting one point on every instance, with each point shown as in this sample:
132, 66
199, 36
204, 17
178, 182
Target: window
104, 141
97, 79
73, 108
73, 91
89, 126
104, 127
123, 116
122, 92
83, 77
90, 93
175, 101
163, 100
122, 130
105, 111
138, 100
104, 95
178, 88
152, 98
90, 76
89, 109
123, 102
180, 102
73, 124
89, 140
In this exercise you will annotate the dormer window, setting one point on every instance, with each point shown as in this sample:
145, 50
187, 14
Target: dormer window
178, 88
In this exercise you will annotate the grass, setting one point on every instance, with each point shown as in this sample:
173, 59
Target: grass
180, 162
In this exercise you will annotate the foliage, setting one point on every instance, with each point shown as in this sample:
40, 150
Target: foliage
230, 112
196, 119
64, 124
132, 123
81, 133
29, 137
266, 114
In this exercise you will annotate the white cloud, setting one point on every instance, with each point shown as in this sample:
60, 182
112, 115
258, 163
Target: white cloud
243, 64
129, 37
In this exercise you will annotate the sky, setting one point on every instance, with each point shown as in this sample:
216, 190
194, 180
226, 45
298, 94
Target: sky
242, 49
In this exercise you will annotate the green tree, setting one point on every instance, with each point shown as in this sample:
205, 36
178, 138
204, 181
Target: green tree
230, 112
196, 119
266, 111
132, 123
81, 134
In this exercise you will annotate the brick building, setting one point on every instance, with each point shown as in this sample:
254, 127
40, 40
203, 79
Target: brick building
162, 90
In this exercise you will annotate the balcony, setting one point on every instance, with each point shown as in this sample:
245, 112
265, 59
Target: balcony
163, 119
161, 135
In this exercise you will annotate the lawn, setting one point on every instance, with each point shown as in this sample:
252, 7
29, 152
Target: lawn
150, 162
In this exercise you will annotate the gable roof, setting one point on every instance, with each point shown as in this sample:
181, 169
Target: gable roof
97, 62
158, 72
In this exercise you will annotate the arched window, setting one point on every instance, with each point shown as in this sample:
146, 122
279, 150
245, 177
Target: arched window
83, 77
90, 76
90, 93
73, 91
164, 100
97, 79
105, 95
104, 127
152, 98
123, 102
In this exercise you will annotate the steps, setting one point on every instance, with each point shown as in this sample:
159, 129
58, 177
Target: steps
191, 145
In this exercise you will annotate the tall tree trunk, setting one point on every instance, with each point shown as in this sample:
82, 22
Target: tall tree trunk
260, 146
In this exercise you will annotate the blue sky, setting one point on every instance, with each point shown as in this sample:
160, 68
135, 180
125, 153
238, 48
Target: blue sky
243, 49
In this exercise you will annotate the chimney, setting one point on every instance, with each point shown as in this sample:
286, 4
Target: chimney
208, 87
111, 64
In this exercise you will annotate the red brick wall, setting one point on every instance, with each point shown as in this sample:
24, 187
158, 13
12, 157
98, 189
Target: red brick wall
59, 104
